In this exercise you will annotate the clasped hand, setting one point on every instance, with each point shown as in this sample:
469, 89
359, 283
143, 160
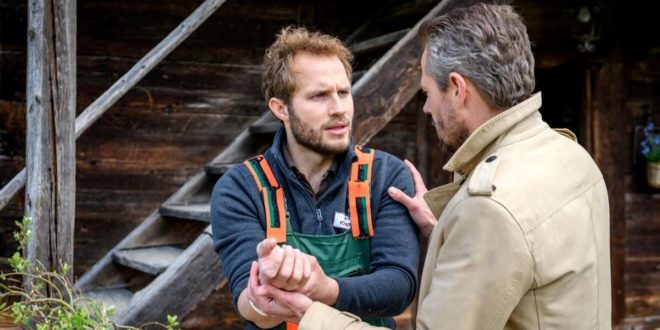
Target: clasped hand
284, 281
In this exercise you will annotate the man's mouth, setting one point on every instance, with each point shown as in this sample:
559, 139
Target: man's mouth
337, 128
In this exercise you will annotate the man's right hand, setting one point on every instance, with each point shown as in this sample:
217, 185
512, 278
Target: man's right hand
283, 267
417, 207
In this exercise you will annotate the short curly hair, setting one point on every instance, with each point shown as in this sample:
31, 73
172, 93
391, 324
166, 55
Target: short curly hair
277, 79
487, 44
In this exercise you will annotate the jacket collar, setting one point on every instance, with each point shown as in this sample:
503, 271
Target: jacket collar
477, 144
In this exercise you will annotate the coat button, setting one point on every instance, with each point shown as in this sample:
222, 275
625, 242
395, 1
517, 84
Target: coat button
490, 159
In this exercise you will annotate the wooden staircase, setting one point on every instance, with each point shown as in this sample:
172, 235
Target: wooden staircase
167, 265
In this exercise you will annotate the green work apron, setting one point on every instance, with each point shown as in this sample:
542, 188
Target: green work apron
339, 255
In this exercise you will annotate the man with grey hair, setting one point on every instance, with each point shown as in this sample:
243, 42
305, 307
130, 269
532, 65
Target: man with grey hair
520, 239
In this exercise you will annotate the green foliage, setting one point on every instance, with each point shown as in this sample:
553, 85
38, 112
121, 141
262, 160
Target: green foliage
49, 301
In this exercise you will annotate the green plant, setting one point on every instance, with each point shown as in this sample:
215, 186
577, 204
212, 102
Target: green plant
63, 308
650, 145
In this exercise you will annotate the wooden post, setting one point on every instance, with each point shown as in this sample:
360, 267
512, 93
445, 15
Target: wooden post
50, 155
609, 121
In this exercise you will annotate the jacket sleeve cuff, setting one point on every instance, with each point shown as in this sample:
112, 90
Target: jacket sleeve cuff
321, 316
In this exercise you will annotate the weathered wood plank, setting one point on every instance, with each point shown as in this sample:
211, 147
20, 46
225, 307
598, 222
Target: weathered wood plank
120, 298
642, 245
650, 322
175, 75
152, 127
218, 169
644, 264
268, 128
215, 312
608, 116
216, 85
64, 116
378, 42
50, 158
199, 212
642, 299
143, 66
10, 190
152, 260
642, 215
160, 297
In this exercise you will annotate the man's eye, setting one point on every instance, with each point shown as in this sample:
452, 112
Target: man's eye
344, 93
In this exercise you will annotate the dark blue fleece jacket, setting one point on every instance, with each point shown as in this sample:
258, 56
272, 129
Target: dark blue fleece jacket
237, 218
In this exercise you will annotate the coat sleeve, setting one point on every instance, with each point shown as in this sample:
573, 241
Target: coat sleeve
323, 317
237, 226
482, 268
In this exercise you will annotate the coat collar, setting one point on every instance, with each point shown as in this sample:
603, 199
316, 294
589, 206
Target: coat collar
477, 144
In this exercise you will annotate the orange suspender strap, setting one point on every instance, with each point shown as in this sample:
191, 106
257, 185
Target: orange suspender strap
359, 193
291, 326
272, 195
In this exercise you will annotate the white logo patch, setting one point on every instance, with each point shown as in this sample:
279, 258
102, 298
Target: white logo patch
342, 221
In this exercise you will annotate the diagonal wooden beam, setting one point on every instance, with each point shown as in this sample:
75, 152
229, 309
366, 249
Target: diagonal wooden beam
380, 42
92, 113
393, 81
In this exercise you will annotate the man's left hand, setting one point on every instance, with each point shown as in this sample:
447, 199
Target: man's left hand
274, 302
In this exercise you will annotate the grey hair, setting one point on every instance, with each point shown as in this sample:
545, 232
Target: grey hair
489, 45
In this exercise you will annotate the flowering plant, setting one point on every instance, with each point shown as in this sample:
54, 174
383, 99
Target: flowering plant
651, 143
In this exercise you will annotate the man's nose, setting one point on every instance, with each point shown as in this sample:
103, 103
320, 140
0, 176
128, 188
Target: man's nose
338, 106
426, 108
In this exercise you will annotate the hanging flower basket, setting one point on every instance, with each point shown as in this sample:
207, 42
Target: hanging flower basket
650, 149
653, 174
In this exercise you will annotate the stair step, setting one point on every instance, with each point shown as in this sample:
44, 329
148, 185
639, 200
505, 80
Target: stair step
269, 127
200, 212
151, 260
120, 298
218, 168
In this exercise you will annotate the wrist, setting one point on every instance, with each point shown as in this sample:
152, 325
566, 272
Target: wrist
428, 229
259, 311
327, 293
248, 310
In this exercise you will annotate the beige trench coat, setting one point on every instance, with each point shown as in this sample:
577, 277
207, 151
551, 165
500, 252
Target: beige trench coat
522, 240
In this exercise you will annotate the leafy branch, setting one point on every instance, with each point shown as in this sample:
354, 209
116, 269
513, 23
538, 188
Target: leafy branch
64, 307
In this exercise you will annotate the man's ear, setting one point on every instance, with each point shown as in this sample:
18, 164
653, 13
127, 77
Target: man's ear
458, 88
279, 109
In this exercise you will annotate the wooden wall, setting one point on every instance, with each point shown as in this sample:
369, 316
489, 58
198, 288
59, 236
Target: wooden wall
174, 121
195, 102
642, 203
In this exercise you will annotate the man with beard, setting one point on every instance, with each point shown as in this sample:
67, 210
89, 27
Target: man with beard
313, 212
520, 239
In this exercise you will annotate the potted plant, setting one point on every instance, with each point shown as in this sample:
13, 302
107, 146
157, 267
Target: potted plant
650, 147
